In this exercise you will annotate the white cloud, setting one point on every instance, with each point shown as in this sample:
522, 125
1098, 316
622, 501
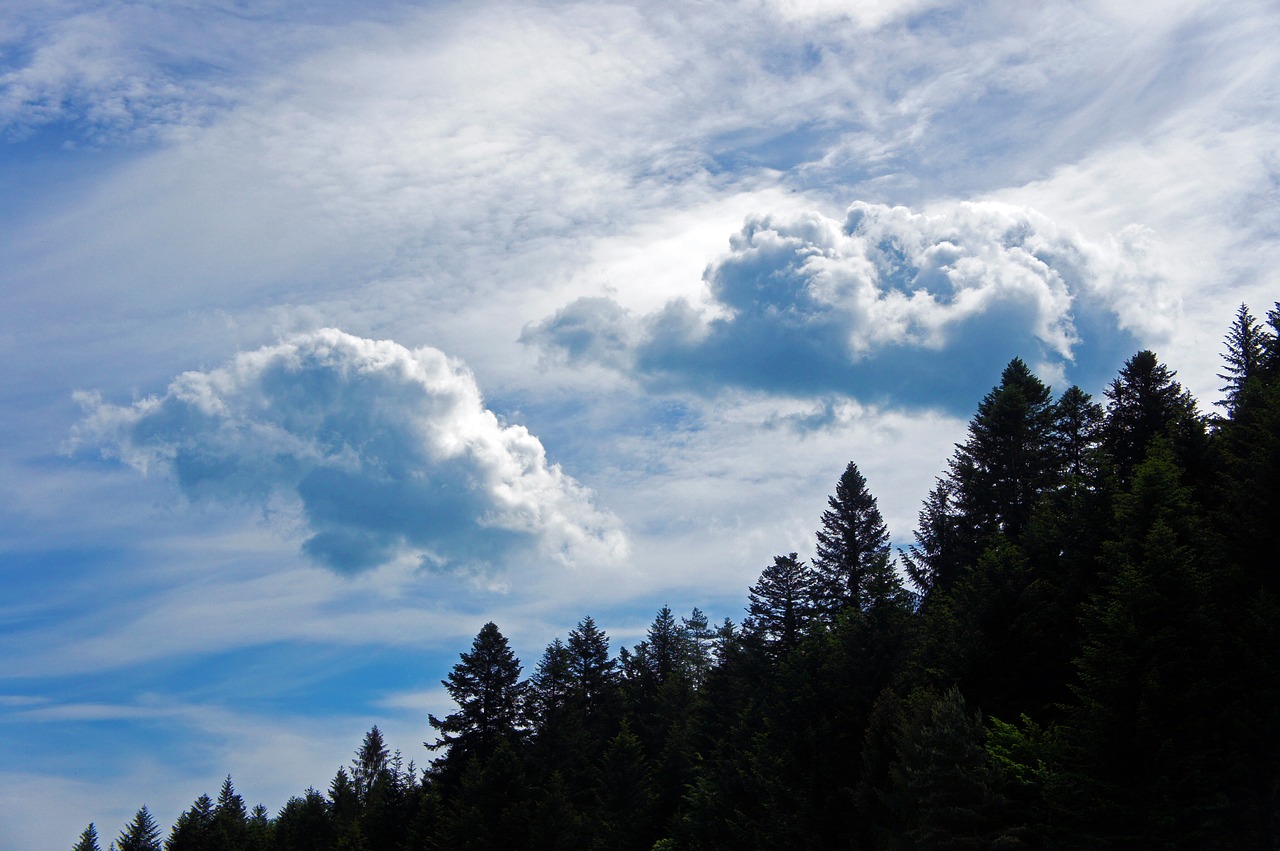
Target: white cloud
387, 452
805, 303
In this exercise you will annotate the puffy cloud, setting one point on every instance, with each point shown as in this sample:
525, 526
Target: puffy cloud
888, 303
387, 451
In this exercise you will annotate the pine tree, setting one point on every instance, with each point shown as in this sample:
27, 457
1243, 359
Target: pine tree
662, 655
853, 545
782, 603
486, 686
626, 797
88, 840
141, 834
1270, 366
259, 829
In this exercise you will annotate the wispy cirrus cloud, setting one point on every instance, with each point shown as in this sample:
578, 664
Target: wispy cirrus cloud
388, 452
888, 303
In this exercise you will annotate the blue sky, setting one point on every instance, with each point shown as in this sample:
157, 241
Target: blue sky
332, 330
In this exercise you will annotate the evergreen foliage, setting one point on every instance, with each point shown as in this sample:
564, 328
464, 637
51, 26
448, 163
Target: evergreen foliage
486, 686
1091, 660
88, 840
852, 549
782, 603
141, 834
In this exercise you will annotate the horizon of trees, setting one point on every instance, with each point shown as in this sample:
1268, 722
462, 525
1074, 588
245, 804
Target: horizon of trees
1080, 649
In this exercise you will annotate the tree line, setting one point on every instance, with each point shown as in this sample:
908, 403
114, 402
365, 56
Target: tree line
1079, 650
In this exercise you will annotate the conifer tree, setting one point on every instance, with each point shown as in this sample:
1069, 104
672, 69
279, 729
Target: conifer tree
782, 603
1077, 435
1008, 460
700, 640
592, 670
88, 840
853, 545
230, 820
1246, 349
549, 689
1144, 402
486, 686
193, 831
304, 823
941, 779
370, 765
932, 562
141, 834
1143, 724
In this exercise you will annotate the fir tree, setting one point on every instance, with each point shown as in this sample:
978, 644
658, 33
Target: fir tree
700, 640
1077, 435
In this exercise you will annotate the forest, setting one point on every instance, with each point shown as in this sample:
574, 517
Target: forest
1079, 650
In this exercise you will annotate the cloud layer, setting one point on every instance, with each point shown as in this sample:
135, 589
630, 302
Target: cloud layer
388, 452
807, 304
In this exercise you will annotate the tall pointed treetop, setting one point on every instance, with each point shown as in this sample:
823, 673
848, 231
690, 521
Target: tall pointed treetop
853, 544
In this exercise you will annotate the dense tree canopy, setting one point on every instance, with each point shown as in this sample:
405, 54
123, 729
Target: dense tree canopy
1091, 660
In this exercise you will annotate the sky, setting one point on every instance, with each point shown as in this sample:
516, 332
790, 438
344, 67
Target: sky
332, 331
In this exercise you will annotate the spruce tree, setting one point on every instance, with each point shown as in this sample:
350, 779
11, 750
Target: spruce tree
932, 562
1144, 402
88, 840
304, 824
548, 692
230, 820
141, 834
1008, 460
193, 831
486, 686
1246, 348
592, 670
370, 766
782, 608
852, 546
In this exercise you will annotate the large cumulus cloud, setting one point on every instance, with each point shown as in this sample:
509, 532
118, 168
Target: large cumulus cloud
887, 303
387, 451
